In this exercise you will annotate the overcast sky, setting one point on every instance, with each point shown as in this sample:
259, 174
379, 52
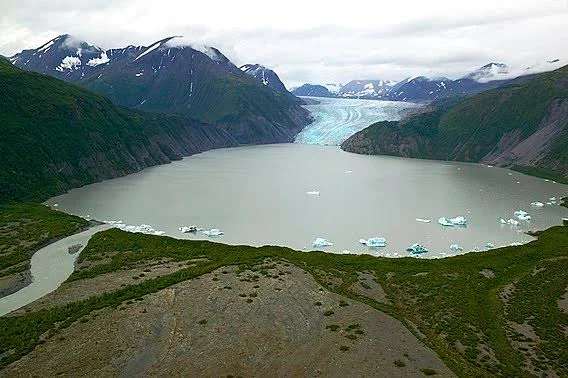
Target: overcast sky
309, 41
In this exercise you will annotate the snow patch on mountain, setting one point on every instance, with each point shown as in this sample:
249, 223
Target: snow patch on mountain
98, 61
69, 63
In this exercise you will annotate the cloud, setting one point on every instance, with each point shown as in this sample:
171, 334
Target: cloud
308, 41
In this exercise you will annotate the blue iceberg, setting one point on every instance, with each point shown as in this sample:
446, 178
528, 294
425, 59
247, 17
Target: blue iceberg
374, 242
321, 243
416, 249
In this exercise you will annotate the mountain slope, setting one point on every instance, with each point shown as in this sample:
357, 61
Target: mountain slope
523, 124
313, 90
55, 136
171, 76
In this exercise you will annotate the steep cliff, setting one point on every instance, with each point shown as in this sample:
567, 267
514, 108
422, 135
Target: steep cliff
55, 136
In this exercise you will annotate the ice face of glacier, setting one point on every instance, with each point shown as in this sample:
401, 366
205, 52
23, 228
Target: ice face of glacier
335, 120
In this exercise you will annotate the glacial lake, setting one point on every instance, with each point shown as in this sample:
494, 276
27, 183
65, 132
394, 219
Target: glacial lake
257, 196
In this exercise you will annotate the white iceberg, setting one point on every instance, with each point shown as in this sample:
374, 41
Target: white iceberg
450, 222
522, 215
321, 243
537, 204
423, 220
186, 229
416, 249
374, 242
502, 221
513, 222
456, 247
489, 245
313, 193
213, 232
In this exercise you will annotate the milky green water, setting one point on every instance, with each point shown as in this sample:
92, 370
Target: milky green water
257, 196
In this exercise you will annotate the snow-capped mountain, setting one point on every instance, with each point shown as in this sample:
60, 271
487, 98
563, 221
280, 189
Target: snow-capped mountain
64, 56
489, 72
264, 75
422, 88
366, 88
174, 75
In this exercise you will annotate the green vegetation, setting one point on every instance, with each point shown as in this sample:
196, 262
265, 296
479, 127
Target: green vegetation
469, 129
56, 136
453, 305
333, 327
344, 348
428, 371
544, 173
328, 313
399, 363
25, 228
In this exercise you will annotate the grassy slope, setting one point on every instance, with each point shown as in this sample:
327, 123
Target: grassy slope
25, 228
449, 301
468, 130
54, 135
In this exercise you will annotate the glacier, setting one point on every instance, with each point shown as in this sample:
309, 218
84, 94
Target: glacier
335, 119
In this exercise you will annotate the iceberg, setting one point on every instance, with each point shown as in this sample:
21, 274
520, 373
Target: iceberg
186, 229
537, 204
374, 242
456, 247
416, 249
522, 215
489, 245
423, 220
502, 221
213, 232
313, 193
321, 243
450, 222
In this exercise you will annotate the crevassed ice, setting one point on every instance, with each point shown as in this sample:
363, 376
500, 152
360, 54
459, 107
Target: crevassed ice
335, 120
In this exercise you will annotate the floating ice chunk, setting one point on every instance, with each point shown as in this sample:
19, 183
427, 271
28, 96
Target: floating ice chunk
374, 242
159, 233
537, 204
186, 229
416, 249
313, 193
348, 171
476, 249
513, 222
489, 245
502, 221
445, 222
456, 247
55, 205
423, 220
549, 203
522, 215
552, 199
321, 243
450, 222
213, 232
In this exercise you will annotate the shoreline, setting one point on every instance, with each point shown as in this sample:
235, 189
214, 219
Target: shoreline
24, 279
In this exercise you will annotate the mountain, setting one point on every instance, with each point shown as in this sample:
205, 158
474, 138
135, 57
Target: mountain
522, 125
312, 90
366, 88
489, 72
427, 89
173, 76
268, 77
55, 136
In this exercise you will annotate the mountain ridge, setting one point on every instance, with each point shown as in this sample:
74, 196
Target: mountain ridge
523, 125
173, 77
